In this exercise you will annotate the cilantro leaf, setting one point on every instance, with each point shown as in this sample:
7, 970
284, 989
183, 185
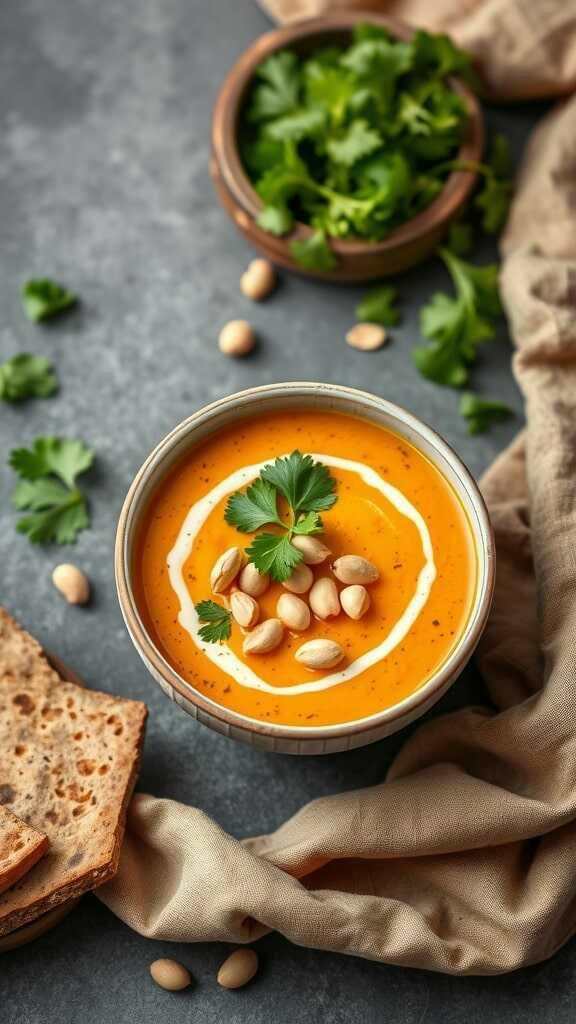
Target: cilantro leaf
57, 508
275, 218
299, 124
274, 554
306, 485
441, 54
43, 298
481, 413
359, 140
218, 622
460, 238
27, 376
377, 306
308, 523
255, 507
456, 326
278, 88
313, 252
331, 88
495, 195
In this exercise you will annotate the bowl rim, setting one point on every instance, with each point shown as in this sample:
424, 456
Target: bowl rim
158, 664
225, 149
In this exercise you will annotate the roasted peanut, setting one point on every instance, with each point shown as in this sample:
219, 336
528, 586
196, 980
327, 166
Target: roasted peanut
319, 654
253, 582
238, 969
300, 580
354, 569
264, 638
313, 551
171, 975
323, 598
225, 570
245, 610
236, 338
367, 337
258, 280
72, 583
355, 601
293, 611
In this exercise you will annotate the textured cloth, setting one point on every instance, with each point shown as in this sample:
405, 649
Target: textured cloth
464, 859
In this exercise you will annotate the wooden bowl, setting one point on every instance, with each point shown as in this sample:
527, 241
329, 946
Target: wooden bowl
291, 739
357, 260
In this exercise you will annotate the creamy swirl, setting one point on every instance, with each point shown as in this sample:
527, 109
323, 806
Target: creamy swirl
222, 655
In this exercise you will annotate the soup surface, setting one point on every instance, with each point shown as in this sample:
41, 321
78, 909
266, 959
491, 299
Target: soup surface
393, 507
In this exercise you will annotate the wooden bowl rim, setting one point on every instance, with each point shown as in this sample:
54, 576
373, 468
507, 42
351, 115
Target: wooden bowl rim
225, 148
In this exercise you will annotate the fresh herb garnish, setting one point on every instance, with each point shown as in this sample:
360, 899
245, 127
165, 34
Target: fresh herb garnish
494, 197
457, 326
378, 306
348, 140
27, 376
57, 508
460, 238
43, 298
218, 622
307, 488
480, 413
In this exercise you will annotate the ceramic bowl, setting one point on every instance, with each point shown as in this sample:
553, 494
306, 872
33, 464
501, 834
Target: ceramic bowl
358, 260
256, 401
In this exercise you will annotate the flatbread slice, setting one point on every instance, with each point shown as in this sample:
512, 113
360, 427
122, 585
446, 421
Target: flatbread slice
21, 846
69, 758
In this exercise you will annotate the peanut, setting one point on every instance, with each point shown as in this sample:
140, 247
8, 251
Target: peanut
225, 570
238, 969
293, 611
236, 338
72, 583
245, 610
367, 337
300, 580
355, 601
171, 975
313, 551
253, 582
318, 654
258, 280
323, 598
265, 638
354, 569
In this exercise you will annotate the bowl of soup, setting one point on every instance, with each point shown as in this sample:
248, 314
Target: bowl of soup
304, 567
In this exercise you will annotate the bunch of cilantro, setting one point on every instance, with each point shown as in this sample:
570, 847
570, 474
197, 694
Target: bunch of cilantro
352, 141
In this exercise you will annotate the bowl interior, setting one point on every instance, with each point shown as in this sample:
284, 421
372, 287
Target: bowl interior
304, 38
296, 396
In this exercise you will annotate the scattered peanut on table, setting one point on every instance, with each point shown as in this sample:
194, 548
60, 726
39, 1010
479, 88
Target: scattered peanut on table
238, 969
72, 583
237, 338
171, 975
367, 337
258, 280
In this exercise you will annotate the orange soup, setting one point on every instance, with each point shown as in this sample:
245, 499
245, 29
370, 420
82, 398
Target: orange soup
393, 509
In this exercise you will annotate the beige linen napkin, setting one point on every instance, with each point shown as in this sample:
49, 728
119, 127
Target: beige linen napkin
464, 859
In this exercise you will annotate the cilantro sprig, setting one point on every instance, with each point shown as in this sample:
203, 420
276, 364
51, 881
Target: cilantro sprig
306, 487
481, 413
456, 326
27, 376
378, 306
56, 508
348, 140
218, 622
43, 298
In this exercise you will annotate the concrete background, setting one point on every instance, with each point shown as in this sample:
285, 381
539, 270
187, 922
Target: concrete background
105, 113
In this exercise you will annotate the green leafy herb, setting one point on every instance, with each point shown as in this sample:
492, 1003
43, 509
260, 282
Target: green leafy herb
494, 197
57, 509
43, 298
306, 487
348, 139
378, 306
313, 253
460, 238
457, 326
218, 622
27, 376
480, 413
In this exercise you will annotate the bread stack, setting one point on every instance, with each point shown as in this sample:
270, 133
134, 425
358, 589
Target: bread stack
69, 759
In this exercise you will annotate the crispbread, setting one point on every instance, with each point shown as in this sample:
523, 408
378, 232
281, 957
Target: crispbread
68, 762
21, 846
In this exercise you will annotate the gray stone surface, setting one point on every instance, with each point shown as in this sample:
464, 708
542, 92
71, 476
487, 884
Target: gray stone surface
105, 112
